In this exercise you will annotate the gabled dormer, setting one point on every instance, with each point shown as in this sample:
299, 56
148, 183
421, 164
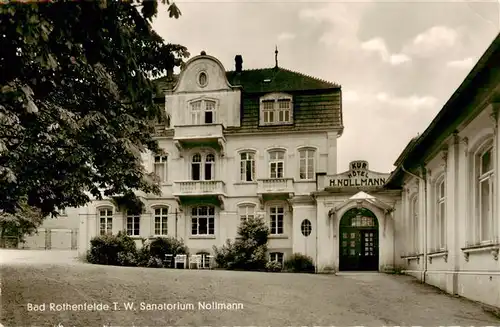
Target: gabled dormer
203, 95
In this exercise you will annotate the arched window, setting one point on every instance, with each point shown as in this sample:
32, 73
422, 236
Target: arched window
440, 235
247, 166
484, 182
209, 167
306, 164
161, 168
207, 162
276, 164
161, 220
203, 112
306, 227
105, 221
246, 211
415, 230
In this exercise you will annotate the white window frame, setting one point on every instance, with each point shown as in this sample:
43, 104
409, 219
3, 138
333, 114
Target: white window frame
276, 115
415, 223
440, 213
198, 109
133, 220
202, 164
305, 164
275, 161
197, 216
108, 221
158, 219
274, 219
244, 162
161, 162
246, 211
487, 177
275, 257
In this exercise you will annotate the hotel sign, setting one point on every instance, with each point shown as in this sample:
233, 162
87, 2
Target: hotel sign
358, 175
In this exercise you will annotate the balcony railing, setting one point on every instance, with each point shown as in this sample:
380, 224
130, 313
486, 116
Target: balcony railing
210, 134
199, 188
275, 185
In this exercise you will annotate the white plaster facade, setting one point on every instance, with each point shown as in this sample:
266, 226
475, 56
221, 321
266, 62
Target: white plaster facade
449, 253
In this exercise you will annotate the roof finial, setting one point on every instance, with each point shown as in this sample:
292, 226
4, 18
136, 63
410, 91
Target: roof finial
276, 57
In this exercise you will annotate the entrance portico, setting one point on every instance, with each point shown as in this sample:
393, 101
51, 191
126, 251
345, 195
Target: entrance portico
361, 241
356, 221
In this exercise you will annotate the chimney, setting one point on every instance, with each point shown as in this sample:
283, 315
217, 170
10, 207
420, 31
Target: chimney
239, 63
170, 72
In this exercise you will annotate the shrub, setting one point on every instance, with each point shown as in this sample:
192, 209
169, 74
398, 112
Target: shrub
249, 251
273, 266
112, 250
299, 263
152, 253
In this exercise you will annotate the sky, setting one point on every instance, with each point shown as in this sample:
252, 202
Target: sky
398, 62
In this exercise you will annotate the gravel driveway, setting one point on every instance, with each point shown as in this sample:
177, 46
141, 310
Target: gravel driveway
169, 297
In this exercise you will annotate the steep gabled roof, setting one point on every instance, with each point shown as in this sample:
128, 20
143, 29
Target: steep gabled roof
262, 81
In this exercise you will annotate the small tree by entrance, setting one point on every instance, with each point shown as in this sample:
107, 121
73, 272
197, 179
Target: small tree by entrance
358, 240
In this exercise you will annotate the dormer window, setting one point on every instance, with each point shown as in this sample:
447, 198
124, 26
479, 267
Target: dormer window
202, 112
276, 109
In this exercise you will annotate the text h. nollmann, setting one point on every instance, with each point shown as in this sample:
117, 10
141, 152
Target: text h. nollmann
219, 306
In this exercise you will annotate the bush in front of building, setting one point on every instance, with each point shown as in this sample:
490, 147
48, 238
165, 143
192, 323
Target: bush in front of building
160, 246
115, 250
249, 251
299, 262
273, 266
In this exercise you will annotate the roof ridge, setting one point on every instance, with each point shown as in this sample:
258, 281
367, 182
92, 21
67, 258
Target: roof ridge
310, 76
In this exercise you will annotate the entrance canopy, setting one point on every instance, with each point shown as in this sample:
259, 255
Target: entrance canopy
362, 198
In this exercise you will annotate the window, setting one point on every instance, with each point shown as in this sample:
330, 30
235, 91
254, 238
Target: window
161, 221
276, 109
247, 166
276, 164
277, 215
203, 220
306, 227
207, 162
415, 229
441, 215
306, 164
105, 221
133, 221
484, 195
160, 168
62, 212
202, 79
246, 211
277, 256
203, 112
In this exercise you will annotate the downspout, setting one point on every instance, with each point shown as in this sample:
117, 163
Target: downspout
424, 180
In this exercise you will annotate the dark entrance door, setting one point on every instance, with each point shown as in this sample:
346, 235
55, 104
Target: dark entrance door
358, 240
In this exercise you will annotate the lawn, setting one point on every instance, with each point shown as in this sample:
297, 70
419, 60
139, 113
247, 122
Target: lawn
122, 296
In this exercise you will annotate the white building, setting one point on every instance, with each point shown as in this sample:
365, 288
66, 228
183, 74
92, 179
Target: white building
449, 176
264, 142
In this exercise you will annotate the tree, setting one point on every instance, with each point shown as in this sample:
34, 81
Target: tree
76, 100
16, 225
